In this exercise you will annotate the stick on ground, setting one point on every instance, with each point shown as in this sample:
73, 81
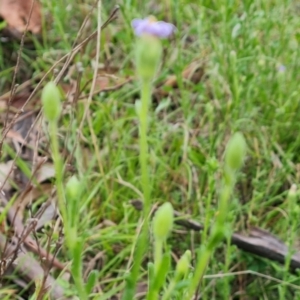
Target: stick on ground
257, 241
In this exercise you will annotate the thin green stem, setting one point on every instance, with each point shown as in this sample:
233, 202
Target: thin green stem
59, 170
144, 154
208, 208
145, 181
76, 270
213, 241
293, 212
203, 259
157, 254
170, 290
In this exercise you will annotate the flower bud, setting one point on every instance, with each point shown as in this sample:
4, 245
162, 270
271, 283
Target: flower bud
183, 264
51, 102
235, 152
72, 188
148, 55
163, 221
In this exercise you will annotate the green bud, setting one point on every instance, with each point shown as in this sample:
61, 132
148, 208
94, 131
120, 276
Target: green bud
73, 188
148, 55
235, 151
183, 264
163, 221
51, 102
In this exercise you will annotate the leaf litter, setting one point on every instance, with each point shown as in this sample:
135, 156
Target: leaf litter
17, 13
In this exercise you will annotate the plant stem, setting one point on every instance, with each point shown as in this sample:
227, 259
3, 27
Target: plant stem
157, 254
76, 269
169, 291
145, 181
144, 152
158, 247
58, 165
208, 249
204, 256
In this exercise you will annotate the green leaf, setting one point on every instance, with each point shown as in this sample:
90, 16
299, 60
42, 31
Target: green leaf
91, 281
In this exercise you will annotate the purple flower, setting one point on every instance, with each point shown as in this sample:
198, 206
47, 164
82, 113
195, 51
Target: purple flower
281, 68
151, 26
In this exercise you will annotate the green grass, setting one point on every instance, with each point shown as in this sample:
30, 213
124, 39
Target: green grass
240, 45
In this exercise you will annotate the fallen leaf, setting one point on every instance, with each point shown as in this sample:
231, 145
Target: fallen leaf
45, 172
17, 12
16, 136
2, 105
102, 82
48, 213
30, 195
193, 72
4, 172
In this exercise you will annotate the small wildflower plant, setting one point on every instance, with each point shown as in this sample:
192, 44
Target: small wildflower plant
183, 282
68, 196
148, 51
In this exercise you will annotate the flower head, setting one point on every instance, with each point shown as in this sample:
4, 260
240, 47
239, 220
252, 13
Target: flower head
152, 27
281, 68
51, 102
163, 221
235, 151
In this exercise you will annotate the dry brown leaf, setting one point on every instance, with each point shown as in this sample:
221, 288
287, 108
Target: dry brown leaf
16, 13
30, 195
17, 101
16, 136
45, 172
3, 105
48, 214
4, 172
193, 73
102, 82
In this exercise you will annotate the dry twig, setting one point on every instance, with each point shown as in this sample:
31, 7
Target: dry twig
257, 241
